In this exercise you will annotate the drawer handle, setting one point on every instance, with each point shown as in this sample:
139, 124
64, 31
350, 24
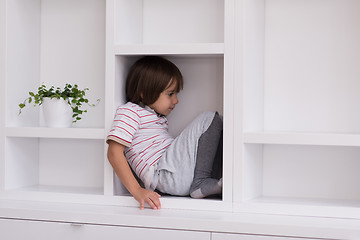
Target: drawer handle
77, 224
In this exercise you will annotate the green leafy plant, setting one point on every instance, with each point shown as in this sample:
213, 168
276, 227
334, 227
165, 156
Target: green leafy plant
74, 96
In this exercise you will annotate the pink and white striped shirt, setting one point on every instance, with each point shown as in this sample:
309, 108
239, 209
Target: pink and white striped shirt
145, 136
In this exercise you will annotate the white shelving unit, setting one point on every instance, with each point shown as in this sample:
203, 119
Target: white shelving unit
283, 73
298, 146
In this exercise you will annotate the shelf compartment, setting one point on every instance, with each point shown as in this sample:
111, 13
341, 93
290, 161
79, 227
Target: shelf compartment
203, 73
295, 138
40, 164
312, 174
53, 43
162, 21
43, 132
300, 72
170, 49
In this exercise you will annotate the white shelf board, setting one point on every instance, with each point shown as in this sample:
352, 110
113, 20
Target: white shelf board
43, 132
325, 139
336, 208
307, 201
170, 49
61, 194
96, 196
62, 189
182, 203
207, 204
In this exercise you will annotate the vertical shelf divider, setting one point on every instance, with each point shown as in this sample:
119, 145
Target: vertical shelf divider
2, 91
109, 91
229, 95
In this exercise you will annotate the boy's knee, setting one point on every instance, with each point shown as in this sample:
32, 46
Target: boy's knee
214, 117
211, 118
208, 115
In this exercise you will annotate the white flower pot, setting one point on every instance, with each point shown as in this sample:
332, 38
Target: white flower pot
57, 113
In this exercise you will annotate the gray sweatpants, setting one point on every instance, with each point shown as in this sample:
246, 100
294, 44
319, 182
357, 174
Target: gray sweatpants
175, 170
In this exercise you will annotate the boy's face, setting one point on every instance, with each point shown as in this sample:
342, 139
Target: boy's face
166, 101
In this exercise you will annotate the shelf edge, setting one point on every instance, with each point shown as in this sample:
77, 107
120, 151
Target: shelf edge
324, 139
43, 132
170, 49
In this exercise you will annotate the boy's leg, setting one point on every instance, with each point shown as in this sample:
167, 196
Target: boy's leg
203, 184
218, 161
176, 167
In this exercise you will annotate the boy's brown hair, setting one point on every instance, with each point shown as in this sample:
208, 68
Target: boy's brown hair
148, 77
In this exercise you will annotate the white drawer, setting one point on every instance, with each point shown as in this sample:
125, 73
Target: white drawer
40, 230
225, 236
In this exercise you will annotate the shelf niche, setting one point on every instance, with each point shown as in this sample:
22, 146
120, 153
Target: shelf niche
302, 172
54, 165
53, 43
169, 22
301, 66
203, 85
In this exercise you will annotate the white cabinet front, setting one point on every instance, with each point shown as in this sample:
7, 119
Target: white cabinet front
225, 236
39, 230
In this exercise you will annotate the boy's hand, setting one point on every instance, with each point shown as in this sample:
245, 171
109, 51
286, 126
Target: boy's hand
146, 196
119, 163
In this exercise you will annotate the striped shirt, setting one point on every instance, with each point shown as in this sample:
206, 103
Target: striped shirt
145, 137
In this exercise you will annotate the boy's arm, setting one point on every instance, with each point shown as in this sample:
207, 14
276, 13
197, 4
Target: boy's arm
122, 169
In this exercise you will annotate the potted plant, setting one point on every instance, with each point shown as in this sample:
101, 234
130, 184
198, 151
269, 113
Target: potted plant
61, 107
